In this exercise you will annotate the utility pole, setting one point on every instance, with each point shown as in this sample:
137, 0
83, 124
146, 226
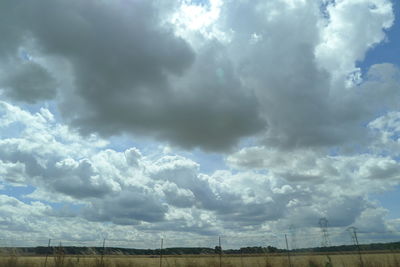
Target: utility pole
288, 252
103, 252
47, 253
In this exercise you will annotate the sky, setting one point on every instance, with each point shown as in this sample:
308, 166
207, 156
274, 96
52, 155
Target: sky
137, 120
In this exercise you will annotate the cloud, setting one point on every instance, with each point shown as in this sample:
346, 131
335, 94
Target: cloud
15, 213
139, 68
29, 82
131, 206
131, 73
130, 188
302, 103
158, 192
359, 24
316, 136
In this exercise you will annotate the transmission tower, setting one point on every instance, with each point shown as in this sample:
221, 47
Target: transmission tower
323, 224
353, 232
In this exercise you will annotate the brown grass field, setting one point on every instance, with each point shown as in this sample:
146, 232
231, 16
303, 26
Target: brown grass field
342, 260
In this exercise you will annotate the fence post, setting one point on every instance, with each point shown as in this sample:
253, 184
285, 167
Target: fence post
161, 248
220, 251
47, 253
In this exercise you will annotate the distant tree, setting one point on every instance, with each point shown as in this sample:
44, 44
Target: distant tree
271, 249
217, 250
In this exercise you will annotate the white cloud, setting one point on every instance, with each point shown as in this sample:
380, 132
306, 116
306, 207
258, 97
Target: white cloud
352, 27
129, 188
13, 173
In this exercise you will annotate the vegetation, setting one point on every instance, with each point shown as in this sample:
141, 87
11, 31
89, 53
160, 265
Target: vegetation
267, 260
372, 255
71, 250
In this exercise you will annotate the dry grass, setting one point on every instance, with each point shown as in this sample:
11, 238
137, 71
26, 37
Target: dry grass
61, 260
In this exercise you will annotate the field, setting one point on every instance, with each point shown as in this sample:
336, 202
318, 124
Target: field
342, 260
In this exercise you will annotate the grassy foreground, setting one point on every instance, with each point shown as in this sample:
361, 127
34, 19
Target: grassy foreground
369, 260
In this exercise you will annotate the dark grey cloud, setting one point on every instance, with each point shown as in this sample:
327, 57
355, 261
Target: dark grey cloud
132, 74
10, 29
131, 206
77, 179
29, 82
344, 210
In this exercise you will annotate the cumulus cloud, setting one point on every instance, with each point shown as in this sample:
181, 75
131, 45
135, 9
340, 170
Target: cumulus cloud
316, 136
169, 192
15, 214
359, 24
